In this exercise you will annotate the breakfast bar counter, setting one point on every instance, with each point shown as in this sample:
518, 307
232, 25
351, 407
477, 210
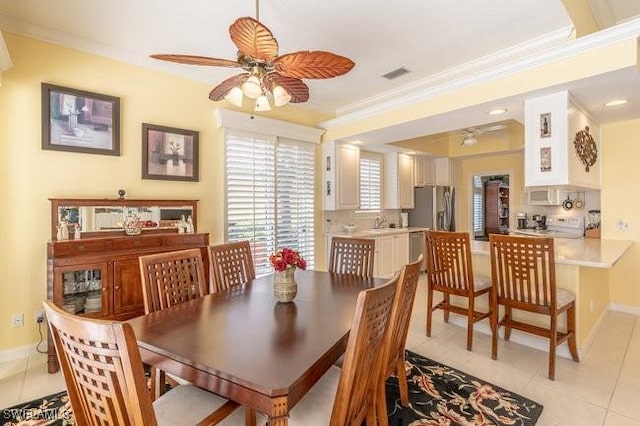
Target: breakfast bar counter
590, 252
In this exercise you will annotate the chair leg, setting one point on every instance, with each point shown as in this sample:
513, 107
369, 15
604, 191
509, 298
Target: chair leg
158, 380
470, 324
429, 310
571, 329
445, 309
402, 381
494, 333
249, 417
381, 406
553, 341
507, 326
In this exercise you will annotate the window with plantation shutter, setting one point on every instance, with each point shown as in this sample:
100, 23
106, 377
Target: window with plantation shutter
270, 195
370, 182
478, 206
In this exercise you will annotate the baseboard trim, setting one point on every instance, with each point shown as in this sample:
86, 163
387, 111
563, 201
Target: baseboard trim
19, 352
628, 309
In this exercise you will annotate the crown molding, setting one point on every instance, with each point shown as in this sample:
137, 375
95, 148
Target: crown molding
489, 68
5, 58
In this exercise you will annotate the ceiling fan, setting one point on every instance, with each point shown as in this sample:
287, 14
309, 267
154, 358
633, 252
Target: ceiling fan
469, 136
267, 74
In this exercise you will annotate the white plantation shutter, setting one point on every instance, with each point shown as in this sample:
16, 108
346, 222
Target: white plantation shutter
478, 206
270, 195
370, 182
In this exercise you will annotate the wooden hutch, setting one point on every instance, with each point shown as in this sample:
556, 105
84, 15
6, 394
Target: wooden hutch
496, 207
96, 273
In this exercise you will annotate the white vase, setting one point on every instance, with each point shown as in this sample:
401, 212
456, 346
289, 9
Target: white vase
285, 287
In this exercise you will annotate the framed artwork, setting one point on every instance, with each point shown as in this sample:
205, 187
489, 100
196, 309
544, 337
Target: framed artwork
169, 153
545, 159
79, 121
545, 125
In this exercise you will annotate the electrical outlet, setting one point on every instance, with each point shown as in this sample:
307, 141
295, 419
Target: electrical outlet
18, 320
39, 316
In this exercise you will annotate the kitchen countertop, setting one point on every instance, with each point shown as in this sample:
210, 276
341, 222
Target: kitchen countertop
591, 252
372, 233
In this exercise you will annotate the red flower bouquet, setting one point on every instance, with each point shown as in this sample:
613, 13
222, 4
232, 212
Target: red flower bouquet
287, 259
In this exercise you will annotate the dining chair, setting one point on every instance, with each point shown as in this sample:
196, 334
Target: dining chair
171, 278
449, 270
232, 265
105, 380
352, 256
358, 380
524, 276
394, 352
168, 279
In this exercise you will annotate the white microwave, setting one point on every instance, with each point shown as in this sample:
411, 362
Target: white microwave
544, 197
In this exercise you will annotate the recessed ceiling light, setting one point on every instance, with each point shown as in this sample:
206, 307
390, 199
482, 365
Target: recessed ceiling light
410, 152
616, 102
497, 111
356, 142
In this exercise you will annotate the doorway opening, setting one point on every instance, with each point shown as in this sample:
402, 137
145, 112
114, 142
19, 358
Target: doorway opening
490, 205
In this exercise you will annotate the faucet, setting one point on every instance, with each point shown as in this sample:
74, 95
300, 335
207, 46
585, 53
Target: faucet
377, 224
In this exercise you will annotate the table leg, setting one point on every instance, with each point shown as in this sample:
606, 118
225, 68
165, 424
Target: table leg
279, 415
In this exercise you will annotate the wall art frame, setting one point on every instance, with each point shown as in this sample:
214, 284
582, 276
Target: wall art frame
79, 121
170, 153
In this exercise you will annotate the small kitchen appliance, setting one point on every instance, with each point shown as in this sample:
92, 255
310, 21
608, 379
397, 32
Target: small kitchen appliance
540, 220
522, 220
557, 226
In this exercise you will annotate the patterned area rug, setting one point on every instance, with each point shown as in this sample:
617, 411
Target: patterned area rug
439, 396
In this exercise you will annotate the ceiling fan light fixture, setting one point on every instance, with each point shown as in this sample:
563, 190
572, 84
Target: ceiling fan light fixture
469, 140
262, 103
252, 88
235, 96
280, 96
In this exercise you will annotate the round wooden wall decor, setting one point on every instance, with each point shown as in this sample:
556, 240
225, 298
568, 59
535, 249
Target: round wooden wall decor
586, 148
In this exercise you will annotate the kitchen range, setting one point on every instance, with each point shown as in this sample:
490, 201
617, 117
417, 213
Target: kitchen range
555, 226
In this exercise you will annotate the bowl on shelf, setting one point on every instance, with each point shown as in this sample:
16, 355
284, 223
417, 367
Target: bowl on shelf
349, 228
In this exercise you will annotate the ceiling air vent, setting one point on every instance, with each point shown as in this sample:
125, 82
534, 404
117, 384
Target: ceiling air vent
398, 72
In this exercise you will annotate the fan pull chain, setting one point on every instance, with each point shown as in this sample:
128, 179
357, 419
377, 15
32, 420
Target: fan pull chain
258, 10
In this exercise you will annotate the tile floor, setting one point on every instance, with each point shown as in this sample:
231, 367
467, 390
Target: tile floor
603, 389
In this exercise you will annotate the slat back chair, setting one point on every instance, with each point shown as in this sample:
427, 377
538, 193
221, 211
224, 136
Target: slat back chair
171, 278
355, 400
449, 270
105, 379
352, 256
394, 360
232, 265
524, 276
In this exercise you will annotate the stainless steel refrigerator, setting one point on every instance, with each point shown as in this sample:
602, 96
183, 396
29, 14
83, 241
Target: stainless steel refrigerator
434, 208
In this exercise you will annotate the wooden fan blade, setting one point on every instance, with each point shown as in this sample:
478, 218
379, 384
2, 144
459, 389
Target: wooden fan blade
254, 39
296, 88
218, 93
316, 64
197, 60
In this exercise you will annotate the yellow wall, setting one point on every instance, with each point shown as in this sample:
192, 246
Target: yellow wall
30, 175
619, 199
512, 164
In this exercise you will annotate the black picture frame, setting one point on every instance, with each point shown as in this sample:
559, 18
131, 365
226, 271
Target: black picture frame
79, 121
169, 153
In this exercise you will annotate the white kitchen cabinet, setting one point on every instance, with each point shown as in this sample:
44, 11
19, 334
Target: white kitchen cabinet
398, 181
391, 254
551, 158
341, 176
442, 168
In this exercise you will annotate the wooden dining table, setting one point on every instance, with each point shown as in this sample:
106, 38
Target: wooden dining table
245, 346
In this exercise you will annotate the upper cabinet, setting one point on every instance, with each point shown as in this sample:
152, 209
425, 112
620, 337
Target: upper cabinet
398, 181
341, 176
562, 144
432, 171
